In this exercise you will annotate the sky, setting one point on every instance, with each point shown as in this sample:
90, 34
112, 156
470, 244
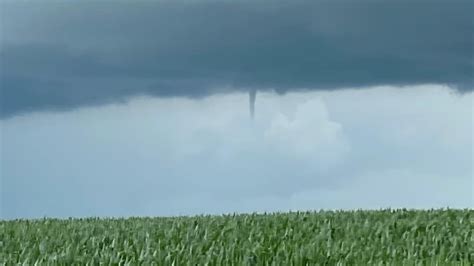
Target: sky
145, 108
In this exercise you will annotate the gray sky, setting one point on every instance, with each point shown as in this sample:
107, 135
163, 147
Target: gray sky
141, 108
66, 54
370, 148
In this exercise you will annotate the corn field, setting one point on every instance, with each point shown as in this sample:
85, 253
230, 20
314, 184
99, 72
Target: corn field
394, 237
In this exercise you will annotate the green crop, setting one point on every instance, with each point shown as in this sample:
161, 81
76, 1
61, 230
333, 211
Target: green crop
401, 237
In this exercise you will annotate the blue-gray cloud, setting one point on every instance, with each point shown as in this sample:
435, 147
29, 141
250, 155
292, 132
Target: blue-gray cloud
382, 147
58, 56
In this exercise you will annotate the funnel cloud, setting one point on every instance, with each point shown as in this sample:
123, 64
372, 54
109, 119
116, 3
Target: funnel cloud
252, 98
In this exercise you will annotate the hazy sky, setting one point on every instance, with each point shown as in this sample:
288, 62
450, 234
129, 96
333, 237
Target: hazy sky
141, 108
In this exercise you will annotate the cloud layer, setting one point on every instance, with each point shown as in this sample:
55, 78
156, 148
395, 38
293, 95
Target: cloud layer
58, 56
373, 148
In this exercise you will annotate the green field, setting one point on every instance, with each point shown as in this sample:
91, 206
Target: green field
395, 237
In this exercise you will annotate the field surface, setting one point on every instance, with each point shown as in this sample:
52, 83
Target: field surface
394, 237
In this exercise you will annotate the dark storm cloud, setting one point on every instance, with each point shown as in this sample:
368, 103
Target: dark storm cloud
62, 55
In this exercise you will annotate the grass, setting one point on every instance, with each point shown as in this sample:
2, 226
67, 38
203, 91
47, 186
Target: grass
395, 237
